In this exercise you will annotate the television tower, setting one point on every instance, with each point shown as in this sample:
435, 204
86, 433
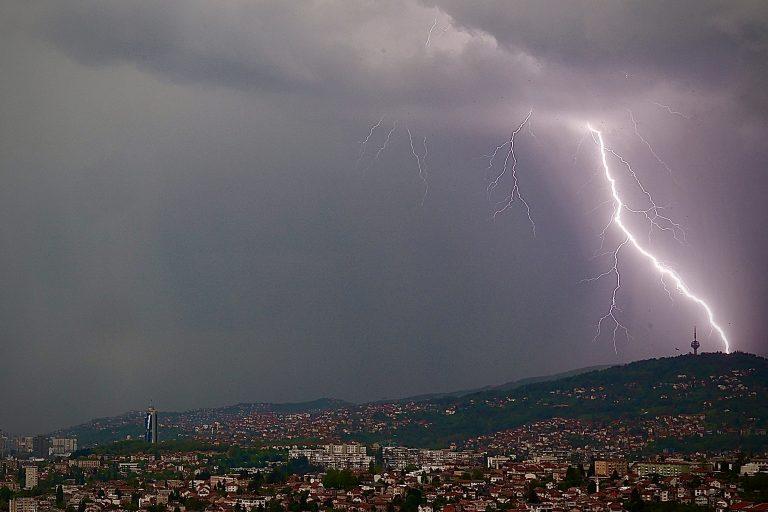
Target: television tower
695, 343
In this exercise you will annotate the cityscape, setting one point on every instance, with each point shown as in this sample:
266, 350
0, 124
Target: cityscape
311, 456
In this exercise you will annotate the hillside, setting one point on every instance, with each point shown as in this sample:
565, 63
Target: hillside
182, 425
507, 386
729, 390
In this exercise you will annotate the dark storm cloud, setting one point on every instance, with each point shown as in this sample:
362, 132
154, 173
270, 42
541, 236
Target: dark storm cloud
183, 220
702, 45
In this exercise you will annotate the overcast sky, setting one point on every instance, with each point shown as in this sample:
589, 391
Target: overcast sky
186, 217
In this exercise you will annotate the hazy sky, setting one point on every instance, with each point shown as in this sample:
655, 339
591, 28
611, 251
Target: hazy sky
185, 220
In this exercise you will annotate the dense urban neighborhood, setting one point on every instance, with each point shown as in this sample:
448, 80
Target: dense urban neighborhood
686, 433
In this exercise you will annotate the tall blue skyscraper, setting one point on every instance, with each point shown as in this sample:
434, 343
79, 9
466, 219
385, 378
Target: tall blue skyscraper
150, 426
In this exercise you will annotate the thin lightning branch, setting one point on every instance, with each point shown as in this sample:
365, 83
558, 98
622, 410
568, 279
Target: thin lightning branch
511, 142
429, 35
648, 144
614, 308
384, 145
673, 112
652, 214
365, 140
514, 192
630, 239
422, 173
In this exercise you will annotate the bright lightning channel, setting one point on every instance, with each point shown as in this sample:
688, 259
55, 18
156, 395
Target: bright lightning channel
629, 238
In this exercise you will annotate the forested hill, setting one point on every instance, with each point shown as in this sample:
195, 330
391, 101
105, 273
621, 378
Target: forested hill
729, 389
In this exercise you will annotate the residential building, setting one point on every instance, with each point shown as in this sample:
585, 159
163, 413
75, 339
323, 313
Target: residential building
606, 468
30, 477
63, 445
22, 505
661, 468
41, 446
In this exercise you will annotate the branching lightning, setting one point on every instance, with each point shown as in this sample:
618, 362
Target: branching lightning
514, 192
386, 142
673, 112
420, 159
367, 138
648, 144
631, 239
653, 213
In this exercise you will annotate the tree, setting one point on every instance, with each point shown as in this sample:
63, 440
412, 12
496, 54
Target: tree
635, 503
59, 496
531, 496
339, 479
413, 498
574, 477
5, 494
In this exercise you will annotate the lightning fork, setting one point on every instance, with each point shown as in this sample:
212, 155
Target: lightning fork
366, 139
653, 213
673, 112
614, 308
514, 192
384, 145
630, 238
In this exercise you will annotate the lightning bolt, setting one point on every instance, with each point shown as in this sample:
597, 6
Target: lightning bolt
631, 239
429, 35
653, 213
366, 139
422, 172
514, 193
386, 142
614, 308
673, 112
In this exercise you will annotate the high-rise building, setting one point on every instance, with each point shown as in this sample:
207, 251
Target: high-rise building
150, 426
30, 477
4, 448
23, 445
63, 445
41, 446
